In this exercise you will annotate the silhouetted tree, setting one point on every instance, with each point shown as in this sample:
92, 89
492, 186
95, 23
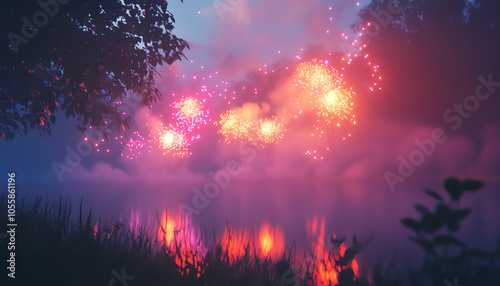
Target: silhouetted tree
432, 52
80, 57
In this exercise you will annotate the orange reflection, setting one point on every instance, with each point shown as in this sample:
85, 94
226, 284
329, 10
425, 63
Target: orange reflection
322, 267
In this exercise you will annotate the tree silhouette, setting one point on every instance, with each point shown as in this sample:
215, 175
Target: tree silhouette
80, 57
431, 51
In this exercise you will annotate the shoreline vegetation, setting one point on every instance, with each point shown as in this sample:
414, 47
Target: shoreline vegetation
59, 244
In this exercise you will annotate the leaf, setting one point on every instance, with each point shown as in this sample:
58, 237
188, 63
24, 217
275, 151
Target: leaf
432, 222
453, 226
472, 185
421, 209
446, 240
434, 195
426, 245
412, 224
454, 188
478, 253
452, 218
460, 214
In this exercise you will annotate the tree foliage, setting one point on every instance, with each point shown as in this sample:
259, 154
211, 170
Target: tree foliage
80, 57
431, 51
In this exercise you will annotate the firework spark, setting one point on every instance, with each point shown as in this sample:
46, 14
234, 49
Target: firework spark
234, 128
320, 91
321, 85
173, 142
270, 131
135, 145
190, 114
315, 77
328, 97
336, 104
354, 49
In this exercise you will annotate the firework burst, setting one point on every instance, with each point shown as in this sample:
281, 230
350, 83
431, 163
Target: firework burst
173, 142
190, 114
319, 91
315, 77
235, 128
320, 85
328, 97
335, 104
270, 131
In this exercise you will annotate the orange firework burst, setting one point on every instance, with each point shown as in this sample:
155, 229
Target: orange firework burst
234, 128
270, 131
315, 77
327, 95
173, 142
326, 91
336, 104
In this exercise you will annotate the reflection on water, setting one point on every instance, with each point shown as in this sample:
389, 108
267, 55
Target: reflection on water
362, 208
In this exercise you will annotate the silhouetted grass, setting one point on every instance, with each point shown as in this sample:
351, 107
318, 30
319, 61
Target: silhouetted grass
58, 244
